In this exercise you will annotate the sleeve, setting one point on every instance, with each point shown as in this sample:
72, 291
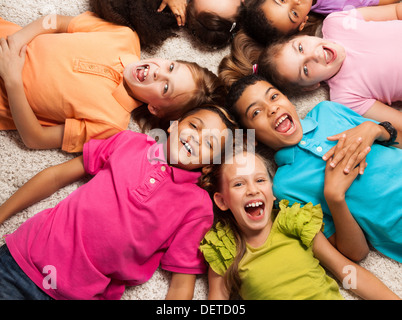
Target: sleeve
90, 22
96, 152
219, 248
301, 222
79, 131
183, 254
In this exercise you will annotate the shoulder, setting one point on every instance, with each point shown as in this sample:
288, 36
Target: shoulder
303, 222
330, 110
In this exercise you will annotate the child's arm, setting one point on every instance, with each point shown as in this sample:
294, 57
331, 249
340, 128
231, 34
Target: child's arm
217, 289
349, 238
385, 2
181, 287
45, 24
42, 185
358, 279
381, 112
368, 132
32, 133
382, 13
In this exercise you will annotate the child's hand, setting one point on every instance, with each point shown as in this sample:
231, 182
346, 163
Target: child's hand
12, 60
359, 139
337, 182
178, 7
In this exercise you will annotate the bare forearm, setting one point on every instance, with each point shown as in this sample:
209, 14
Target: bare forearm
181, 287
32, 133
349, 239
42, 185
367, 286
43, 25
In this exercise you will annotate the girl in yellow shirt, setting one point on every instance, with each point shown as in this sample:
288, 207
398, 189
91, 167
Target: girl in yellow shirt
261, 254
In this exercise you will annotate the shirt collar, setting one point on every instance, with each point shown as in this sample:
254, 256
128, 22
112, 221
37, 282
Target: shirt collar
287, 155
156, 155
120, 93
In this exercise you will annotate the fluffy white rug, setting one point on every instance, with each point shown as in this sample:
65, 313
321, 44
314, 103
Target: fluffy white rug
18, 164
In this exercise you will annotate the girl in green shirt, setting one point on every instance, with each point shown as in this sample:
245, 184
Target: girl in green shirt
255, 252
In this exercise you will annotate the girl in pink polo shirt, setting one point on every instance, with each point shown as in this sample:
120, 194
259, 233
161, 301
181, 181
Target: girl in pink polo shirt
357, 57
81, 77
143, 208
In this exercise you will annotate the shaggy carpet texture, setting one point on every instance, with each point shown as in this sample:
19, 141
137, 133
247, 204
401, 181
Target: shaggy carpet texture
18, 164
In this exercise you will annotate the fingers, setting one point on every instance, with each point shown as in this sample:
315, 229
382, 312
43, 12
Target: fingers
338, 151
162, 6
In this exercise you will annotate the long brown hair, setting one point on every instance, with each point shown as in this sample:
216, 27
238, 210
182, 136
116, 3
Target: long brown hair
244, 53
208, 90
211, 181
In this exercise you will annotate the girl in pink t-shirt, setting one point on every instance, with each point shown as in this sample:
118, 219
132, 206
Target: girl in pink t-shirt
358, 57
81, 78
143, 208
269, 19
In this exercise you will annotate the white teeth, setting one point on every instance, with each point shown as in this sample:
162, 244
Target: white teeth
187, 146
326, 55
281, 119
254, 204
146, 71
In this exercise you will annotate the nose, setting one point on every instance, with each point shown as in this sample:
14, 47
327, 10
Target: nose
252, 189
159, 74
272, 109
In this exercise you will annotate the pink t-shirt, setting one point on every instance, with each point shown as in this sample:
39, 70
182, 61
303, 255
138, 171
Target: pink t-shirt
326, 7
372, 69
135, 214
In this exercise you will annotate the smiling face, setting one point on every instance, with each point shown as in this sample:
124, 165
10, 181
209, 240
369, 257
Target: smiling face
309, 60
163, 84
226, 9
287, 16
246, 190
196, 140
264, 108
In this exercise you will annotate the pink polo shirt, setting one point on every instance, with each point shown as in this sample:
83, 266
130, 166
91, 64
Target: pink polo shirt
135, 214
372, 70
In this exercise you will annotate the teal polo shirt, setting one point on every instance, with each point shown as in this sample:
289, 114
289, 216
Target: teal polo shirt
374, 198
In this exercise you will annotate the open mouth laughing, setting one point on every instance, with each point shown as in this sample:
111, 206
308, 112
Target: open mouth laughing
329, 54
284, 124
255, 209
141, 72
187, 147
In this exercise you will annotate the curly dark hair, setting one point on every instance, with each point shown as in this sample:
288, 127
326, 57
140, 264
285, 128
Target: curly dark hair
152, 27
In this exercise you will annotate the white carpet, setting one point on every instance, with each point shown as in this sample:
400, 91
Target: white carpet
18, 164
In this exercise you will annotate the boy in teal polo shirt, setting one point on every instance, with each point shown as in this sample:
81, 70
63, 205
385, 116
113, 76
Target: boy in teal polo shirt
373, 198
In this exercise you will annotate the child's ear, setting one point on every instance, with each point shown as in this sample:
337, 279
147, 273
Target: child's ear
303, 24
152, 110
220, 202
312, 87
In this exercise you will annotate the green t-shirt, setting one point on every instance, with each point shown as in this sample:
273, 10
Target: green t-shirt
284, 267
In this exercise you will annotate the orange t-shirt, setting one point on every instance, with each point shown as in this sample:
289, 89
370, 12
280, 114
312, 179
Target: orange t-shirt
76, 78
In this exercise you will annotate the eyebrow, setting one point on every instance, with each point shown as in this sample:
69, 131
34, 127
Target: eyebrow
289, 16
254, 103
